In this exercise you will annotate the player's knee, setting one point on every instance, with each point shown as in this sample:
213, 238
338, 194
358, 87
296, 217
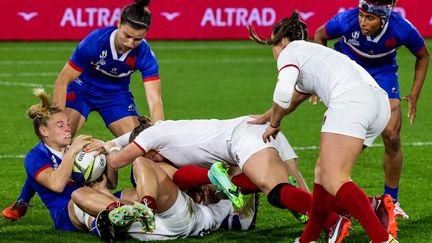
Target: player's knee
274, 195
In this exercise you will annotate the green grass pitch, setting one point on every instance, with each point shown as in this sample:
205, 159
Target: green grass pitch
217, 79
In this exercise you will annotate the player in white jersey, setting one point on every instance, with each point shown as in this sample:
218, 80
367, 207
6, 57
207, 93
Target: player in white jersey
358, 111
234, 142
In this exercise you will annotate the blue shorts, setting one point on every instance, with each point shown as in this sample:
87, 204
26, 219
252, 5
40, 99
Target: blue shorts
62, 221
110, 107
387, 79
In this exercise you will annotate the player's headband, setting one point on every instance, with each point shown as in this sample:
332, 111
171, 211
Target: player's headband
383, 11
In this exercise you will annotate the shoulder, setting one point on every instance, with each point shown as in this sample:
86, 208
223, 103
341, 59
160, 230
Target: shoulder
36, 155
399, 26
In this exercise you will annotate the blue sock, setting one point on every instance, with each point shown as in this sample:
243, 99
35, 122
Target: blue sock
27, 192
393, 192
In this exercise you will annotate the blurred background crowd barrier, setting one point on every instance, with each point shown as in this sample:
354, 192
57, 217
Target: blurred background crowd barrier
180, 19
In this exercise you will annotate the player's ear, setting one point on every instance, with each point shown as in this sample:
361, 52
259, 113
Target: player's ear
285, 42
43, 131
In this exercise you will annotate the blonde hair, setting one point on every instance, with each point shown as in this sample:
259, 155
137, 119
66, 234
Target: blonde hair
292, 28
42, 112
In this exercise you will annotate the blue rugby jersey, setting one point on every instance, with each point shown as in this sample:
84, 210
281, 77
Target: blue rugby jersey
377, 51
38, 159
104, 71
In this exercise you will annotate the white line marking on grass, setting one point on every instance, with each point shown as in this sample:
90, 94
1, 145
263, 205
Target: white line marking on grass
48, 74
169, 61
415, 144
8, 83
154, 46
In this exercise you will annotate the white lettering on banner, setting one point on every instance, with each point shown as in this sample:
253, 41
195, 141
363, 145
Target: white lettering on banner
238, 17
430, 21
90, 17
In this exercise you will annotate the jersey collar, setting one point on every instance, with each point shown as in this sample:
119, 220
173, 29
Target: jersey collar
378, 37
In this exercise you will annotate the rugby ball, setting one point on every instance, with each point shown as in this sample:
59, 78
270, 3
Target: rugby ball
87, 167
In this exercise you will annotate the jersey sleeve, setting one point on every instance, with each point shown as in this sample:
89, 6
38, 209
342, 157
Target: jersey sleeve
36, 162
148, 139
412, 39
81, 56
334, 27
148, 64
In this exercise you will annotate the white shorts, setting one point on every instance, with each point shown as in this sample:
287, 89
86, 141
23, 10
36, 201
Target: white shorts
184, 218
352, 115
247, 140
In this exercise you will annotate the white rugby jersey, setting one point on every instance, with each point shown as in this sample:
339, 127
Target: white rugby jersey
185, 218
322, 71
191, 142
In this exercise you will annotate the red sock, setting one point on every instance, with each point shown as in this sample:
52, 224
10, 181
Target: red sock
113, 205
188, 176
150, 201
295, 199
318, 216
246, 186
355, 201
333, 216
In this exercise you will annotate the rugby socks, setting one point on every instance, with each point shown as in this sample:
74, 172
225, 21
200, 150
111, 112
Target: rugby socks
188, 176
318, 216
27, 192
246, 186
150, 201
295, 199
115, 204
393, 192
352, 199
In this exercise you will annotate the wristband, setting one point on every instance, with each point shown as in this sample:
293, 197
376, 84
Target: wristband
114, 149
274, 126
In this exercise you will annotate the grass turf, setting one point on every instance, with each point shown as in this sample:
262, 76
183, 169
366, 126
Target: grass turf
215, 79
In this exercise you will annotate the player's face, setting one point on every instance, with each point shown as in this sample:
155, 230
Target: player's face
369, 23
57, 133
128, 38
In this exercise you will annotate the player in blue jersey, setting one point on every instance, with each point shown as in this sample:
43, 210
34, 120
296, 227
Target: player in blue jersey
370, 35
97, 77
49, 168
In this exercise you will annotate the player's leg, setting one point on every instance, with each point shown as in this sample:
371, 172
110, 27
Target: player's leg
76, 119
338, 154
123, 125
19, 208
393, 158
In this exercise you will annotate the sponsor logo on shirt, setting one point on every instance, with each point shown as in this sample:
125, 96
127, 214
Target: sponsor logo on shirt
103, 54
354, 36
131, 107
54, 160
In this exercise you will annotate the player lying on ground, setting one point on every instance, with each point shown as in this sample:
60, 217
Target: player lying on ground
234, 142
170, 213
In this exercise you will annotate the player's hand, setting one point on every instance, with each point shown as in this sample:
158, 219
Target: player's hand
258, 119
314, 100
270, 132
79, 142
95, 145
412, 108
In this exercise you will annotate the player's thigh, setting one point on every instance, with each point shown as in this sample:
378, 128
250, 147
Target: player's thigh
395, 123
337, 156
124, 125
265, 169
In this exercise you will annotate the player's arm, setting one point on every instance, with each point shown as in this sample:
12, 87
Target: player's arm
118, 158
421, 67
67, 75
320, 36
154, 99
56, 180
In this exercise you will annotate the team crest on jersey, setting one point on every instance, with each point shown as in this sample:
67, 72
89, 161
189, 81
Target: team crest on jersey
354, 36
130, 61
103, 54
390, 43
